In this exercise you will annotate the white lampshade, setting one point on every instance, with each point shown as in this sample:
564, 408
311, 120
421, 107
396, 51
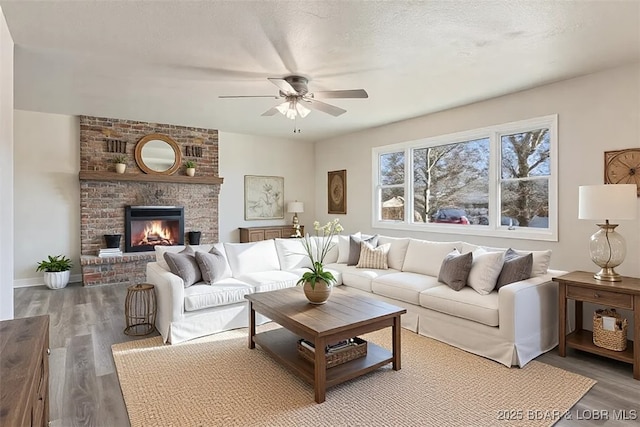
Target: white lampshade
611, 201
295, 207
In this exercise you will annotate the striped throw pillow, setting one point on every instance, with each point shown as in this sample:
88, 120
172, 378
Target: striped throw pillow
371, 257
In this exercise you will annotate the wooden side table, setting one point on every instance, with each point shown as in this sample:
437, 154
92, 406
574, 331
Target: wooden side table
140, 309
580, 286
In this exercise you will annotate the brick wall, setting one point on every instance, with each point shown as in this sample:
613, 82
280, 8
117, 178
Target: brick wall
102, 203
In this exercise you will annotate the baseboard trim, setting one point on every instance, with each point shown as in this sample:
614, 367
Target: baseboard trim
37, 281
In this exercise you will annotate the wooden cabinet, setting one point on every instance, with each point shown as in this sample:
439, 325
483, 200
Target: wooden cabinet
255, 234
24, 372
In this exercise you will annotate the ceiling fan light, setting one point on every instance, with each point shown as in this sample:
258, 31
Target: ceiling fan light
302, 110
283, 108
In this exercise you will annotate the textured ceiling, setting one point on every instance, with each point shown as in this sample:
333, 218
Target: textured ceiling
169, 61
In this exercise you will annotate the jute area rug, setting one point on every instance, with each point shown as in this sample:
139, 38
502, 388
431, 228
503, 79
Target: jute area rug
218, 381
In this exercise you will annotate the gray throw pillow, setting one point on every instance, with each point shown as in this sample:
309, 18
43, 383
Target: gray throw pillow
515, 268
212, 265
354, 247
184, 264
455, 269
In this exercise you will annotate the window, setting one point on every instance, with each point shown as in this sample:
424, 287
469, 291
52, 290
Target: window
498, 181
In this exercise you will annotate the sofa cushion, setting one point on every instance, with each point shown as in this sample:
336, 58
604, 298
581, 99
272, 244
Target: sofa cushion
184, 265
485, 270
541, 259
466, 303
225, 292
332, 254
213, 265
516, 267
425, 257
397, 252
455, 269
291, 253
355, 243
373, 257
343, 248
161, 250
403, 286
264, 281
252, 257
359, 278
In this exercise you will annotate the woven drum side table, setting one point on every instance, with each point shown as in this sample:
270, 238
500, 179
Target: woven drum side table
140, 309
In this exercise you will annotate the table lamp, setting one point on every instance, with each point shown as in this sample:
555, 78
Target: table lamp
295, 208
608, 202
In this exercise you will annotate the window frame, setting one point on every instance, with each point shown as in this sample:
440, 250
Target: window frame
494, 133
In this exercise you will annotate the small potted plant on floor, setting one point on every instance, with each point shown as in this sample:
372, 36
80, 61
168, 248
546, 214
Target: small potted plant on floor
121, 163
191, 167
56, 271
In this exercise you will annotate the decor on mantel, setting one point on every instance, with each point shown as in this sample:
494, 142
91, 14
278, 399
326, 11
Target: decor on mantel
121, 163
112, 240
337, 192
295, 208
317, 283
190, 166
57, 270
607, 247
263, 197
158, 154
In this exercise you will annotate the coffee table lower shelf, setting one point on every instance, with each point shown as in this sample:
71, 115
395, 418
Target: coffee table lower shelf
281, 344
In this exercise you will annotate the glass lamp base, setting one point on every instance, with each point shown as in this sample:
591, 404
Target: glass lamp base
608, 250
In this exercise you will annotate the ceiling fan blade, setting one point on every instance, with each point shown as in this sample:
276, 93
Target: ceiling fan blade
324, 107
353, 93
284, 86
249, 96
270, 112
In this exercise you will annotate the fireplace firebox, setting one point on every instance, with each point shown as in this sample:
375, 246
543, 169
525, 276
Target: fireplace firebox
149, 226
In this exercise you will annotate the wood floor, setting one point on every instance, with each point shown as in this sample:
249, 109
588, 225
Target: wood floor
84, 388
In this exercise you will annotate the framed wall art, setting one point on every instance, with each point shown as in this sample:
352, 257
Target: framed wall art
263, 197
337, 191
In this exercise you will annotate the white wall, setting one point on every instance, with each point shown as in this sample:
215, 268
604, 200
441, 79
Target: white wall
242, 155
47, 202
596, 113
6, 171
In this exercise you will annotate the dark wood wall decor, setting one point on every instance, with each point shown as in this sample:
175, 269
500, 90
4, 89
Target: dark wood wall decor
337, 192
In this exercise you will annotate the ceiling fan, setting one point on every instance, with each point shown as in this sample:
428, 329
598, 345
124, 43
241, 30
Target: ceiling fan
298, 100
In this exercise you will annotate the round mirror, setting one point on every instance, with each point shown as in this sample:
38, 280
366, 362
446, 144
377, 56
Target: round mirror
159, 154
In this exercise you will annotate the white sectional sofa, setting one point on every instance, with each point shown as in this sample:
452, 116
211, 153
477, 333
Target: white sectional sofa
511, 325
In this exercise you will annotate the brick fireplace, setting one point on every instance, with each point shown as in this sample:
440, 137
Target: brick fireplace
105, 195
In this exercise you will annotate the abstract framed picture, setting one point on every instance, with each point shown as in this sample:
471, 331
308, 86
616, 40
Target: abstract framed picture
263, 197
337, 191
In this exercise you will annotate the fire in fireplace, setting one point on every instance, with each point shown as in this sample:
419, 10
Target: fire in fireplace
149, 226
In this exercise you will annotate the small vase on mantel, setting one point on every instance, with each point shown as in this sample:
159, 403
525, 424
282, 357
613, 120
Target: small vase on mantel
121, 167
318, 294
191, 171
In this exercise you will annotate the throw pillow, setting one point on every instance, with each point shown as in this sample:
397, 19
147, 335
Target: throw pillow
516, 267
343, 248
373, 257
212, 264
541, 260
184, 265
354, 247
455, 269
485, 270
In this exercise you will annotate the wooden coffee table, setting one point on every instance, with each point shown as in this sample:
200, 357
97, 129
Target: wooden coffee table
343, 316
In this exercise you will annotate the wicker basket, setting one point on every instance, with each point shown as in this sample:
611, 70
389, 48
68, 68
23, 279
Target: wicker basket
613, 340
339, 357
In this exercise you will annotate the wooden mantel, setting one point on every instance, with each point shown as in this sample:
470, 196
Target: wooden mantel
141, 177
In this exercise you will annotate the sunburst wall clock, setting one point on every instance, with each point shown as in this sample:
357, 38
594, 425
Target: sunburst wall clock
622, 167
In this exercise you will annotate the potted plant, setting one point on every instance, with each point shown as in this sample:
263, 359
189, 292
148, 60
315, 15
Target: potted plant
317, 283
56, 271
191, 167
121, 163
